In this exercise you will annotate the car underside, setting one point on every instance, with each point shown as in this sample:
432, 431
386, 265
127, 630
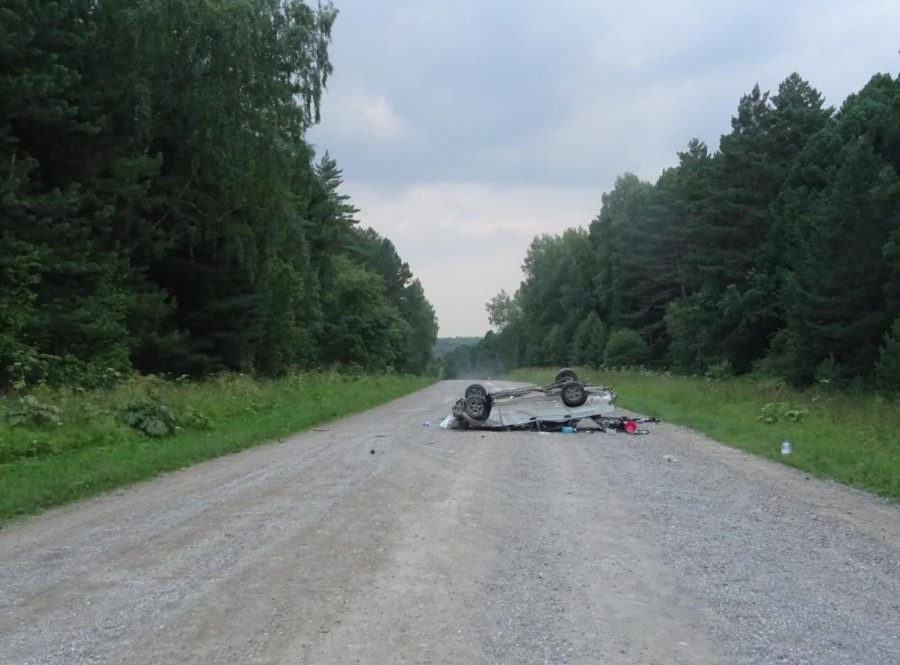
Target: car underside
559, 406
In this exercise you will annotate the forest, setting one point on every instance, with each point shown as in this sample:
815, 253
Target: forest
161, 210
778, 253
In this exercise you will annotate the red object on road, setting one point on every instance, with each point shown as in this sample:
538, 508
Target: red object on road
629, 426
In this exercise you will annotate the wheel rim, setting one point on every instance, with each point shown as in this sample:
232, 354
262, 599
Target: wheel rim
476, 408
573, 394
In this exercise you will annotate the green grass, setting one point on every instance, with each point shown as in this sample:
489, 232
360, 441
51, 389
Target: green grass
852, 438
90, 451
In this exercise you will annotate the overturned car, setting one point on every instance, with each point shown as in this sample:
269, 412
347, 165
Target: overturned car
558, 406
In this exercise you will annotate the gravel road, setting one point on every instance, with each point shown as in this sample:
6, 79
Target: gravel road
460, 547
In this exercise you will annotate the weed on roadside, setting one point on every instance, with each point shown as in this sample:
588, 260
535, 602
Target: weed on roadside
60, 444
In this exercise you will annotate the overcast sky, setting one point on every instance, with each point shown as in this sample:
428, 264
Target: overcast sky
465, 128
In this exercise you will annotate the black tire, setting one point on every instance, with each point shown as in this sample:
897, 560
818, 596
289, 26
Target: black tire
476, 389
573, 394
565, 374
477, 408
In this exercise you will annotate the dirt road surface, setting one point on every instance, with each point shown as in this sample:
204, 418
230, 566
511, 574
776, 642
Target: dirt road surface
460, 547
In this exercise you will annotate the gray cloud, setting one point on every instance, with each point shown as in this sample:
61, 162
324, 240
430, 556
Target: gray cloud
492, 104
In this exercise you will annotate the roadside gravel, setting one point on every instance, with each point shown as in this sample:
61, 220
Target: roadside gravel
459, 547
794, 569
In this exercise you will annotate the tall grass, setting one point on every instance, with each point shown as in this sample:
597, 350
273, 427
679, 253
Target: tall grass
83, 448
853, 438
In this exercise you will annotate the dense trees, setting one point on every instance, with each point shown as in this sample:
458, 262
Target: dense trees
160, 209
780, 251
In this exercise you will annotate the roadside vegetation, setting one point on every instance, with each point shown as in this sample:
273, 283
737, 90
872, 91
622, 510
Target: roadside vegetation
775, 253
852, 437
162, 211
61, 444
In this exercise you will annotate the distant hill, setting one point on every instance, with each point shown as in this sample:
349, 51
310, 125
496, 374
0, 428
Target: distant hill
444, 345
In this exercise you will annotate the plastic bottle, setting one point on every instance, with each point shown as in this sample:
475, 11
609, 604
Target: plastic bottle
785, 447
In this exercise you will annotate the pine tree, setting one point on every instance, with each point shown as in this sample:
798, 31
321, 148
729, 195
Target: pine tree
834, 298
160, 207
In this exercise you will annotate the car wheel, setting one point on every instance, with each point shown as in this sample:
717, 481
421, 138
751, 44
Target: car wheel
566, 374
477, 408
476, 389
573, 394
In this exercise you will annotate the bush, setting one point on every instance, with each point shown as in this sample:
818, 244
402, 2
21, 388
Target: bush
774, 412
31, 411
887, 368
625, 348
149, 416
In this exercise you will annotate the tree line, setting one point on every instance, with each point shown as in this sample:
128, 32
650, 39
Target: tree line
160, 209
778, 253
